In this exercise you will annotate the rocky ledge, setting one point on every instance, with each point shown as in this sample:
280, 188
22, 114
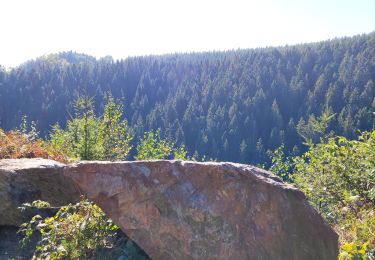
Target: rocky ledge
180, 209
27, 180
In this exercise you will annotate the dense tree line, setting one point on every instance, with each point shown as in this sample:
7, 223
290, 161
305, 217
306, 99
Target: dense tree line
232, 105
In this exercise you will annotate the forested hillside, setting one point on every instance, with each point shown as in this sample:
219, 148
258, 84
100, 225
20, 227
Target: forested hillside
232, 105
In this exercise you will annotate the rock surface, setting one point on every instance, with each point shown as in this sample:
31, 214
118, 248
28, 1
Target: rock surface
27, 180
191, 210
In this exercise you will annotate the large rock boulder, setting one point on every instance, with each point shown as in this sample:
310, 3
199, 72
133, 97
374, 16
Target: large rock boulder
27, 180
191, 210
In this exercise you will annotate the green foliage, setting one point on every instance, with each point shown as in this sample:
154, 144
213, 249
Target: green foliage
353, 251
114, 132
357, 235
338, 177
281, 164
338, 173
153, 146
80, 139
61, 140
28, 129
40, 204
84, 130
180, 153
315, 129
23, 125
89, 137
75, 232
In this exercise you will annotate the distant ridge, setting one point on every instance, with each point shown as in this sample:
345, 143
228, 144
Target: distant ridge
230, 105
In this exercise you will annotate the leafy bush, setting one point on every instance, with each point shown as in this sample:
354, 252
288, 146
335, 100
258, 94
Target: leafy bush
75, 232
338, 177
89, 137
153, 146
80, 231
40, 204
281, 164
357, 235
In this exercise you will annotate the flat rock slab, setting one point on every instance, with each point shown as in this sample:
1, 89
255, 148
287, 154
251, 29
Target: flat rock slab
27, 180
192, 210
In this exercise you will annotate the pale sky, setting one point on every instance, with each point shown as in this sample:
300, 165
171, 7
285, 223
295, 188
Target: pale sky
30, 29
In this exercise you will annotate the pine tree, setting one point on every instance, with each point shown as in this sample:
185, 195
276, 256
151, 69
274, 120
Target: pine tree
115, 136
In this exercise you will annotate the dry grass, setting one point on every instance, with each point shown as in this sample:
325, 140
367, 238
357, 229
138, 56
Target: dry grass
14, 145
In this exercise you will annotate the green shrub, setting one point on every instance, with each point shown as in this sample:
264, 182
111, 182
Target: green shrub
76, 232
91, 137
338, 177
357, 235
153, 146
